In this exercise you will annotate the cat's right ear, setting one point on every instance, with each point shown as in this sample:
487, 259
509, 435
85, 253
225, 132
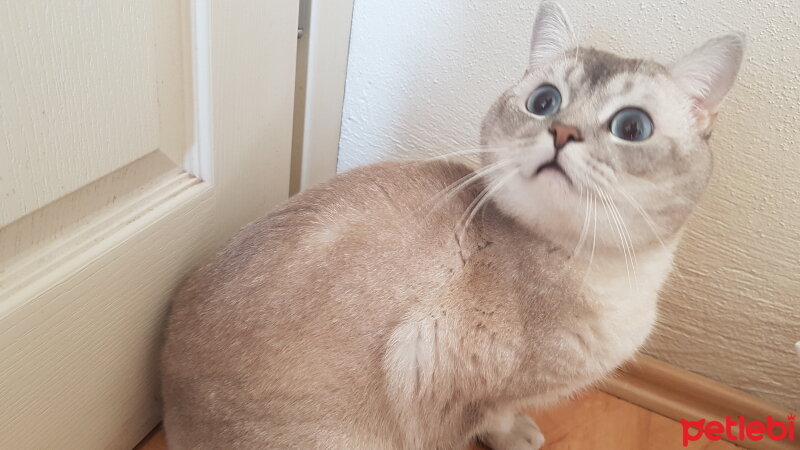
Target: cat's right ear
552, 35
708, 73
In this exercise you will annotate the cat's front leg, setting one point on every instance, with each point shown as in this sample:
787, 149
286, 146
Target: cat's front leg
512, 431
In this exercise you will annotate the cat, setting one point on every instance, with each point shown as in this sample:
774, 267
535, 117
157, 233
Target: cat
424, 304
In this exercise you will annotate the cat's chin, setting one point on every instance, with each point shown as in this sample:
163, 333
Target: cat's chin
546, 203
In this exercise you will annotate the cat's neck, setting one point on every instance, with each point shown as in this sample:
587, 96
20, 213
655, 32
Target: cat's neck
641, 275
606, 272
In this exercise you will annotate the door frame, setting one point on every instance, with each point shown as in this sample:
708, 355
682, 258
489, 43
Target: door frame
323, 53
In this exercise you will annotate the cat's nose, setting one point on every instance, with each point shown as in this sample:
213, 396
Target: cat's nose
562, 134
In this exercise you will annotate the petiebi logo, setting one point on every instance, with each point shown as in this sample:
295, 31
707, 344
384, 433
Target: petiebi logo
752, 430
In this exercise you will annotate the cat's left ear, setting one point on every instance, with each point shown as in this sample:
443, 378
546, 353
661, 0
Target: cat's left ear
552, 35
708, 73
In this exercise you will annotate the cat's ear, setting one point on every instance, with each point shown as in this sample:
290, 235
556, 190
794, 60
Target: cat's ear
552, 34
708, 73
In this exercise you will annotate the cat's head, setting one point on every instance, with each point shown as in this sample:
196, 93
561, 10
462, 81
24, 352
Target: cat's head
599, 148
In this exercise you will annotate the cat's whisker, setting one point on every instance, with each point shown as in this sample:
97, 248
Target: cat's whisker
651, 224
460, 231
585, 227
666, 190
454, 188
623, 230
648, 219
621, 246
627, 234
470, 151
643, 213
598, 180
461, 184
481, 149
612, 219
594, 233
469, 178
594, 238
626, 237
483, 198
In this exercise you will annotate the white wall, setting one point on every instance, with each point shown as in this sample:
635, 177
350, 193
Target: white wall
422, 73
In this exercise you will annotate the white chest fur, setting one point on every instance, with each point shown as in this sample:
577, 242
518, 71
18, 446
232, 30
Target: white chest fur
623, 300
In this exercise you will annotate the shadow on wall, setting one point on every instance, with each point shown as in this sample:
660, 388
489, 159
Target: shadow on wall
421, 75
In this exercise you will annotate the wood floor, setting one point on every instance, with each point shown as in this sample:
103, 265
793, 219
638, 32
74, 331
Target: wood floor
594, 421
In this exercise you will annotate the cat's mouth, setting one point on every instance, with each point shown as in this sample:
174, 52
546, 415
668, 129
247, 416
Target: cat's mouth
555, 166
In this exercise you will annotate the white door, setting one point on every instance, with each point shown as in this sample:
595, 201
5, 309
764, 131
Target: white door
135, 137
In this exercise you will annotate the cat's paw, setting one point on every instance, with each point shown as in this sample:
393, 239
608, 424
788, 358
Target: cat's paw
523, 435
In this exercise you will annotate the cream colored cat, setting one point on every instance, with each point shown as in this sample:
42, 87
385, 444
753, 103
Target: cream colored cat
421, 305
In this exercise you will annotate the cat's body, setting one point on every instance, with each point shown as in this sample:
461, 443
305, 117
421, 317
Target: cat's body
325, 332
388, 310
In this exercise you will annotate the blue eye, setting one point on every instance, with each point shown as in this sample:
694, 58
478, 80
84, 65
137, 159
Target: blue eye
544, 101
632, 124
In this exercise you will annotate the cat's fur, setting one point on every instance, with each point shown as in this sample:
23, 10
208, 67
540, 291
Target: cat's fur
361, 314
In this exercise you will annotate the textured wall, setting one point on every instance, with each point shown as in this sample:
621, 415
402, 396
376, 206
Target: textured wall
422, 73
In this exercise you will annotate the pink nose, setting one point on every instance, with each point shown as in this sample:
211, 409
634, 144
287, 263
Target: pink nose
562, 134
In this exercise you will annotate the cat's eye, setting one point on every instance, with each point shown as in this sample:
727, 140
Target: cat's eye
544, 101
632, 124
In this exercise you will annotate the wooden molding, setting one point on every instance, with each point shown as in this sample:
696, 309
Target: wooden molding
680, 394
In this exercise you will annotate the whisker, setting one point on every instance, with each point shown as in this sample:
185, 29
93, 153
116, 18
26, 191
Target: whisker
612, 220
594, 238
651, 224
665, 190
482, 199
594, 233
470, 151
451, 190
643, 213
487, 193
623, 227
585, 227
623, 248
460, 231
631, 248
481, 149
